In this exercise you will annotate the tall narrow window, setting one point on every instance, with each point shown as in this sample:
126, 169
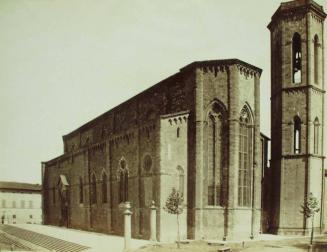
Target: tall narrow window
104, 188
316, 59
245, 159
316, 136
180, 179
296, 58
211, 161
215, 149
81, 193
123, 180
297, 135
93, 189
178, 132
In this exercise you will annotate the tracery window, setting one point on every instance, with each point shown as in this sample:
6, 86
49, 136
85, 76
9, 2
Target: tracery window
296, 58
245, 159
104, 188
297, 135
215, 155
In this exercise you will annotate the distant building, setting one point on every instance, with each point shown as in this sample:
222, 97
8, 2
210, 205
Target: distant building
20, 203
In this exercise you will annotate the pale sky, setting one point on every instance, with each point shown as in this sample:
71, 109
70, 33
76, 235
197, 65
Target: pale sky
64, 62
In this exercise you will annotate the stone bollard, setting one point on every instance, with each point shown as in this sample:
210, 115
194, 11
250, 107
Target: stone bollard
153, 222
127, 225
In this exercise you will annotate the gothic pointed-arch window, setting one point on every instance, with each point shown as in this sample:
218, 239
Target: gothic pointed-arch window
211, 161
316, 136
245, 158
316, 59
123, 180
93, 189
297, 135
296, 58
215, 155
104, 188
81, 193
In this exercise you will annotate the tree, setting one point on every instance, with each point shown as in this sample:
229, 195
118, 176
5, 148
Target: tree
174, 205
309, 209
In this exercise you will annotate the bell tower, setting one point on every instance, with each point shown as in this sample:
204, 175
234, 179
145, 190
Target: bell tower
297, 113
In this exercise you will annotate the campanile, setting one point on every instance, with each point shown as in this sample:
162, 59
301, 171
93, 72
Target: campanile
297, 113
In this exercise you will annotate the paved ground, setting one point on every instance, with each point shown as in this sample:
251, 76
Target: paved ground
95, 241
265, 243
102, 242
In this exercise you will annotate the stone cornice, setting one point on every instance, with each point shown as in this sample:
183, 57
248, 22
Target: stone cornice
298, 89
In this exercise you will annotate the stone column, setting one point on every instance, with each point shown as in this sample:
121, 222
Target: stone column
127, 225
153, 222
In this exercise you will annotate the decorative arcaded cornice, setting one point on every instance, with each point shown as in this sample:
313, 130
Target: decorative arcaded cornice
222, 66
176, 118
246, 71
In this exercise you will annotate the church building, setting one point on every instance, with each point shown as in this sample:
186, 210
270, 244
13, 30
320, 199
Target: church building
198, 131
